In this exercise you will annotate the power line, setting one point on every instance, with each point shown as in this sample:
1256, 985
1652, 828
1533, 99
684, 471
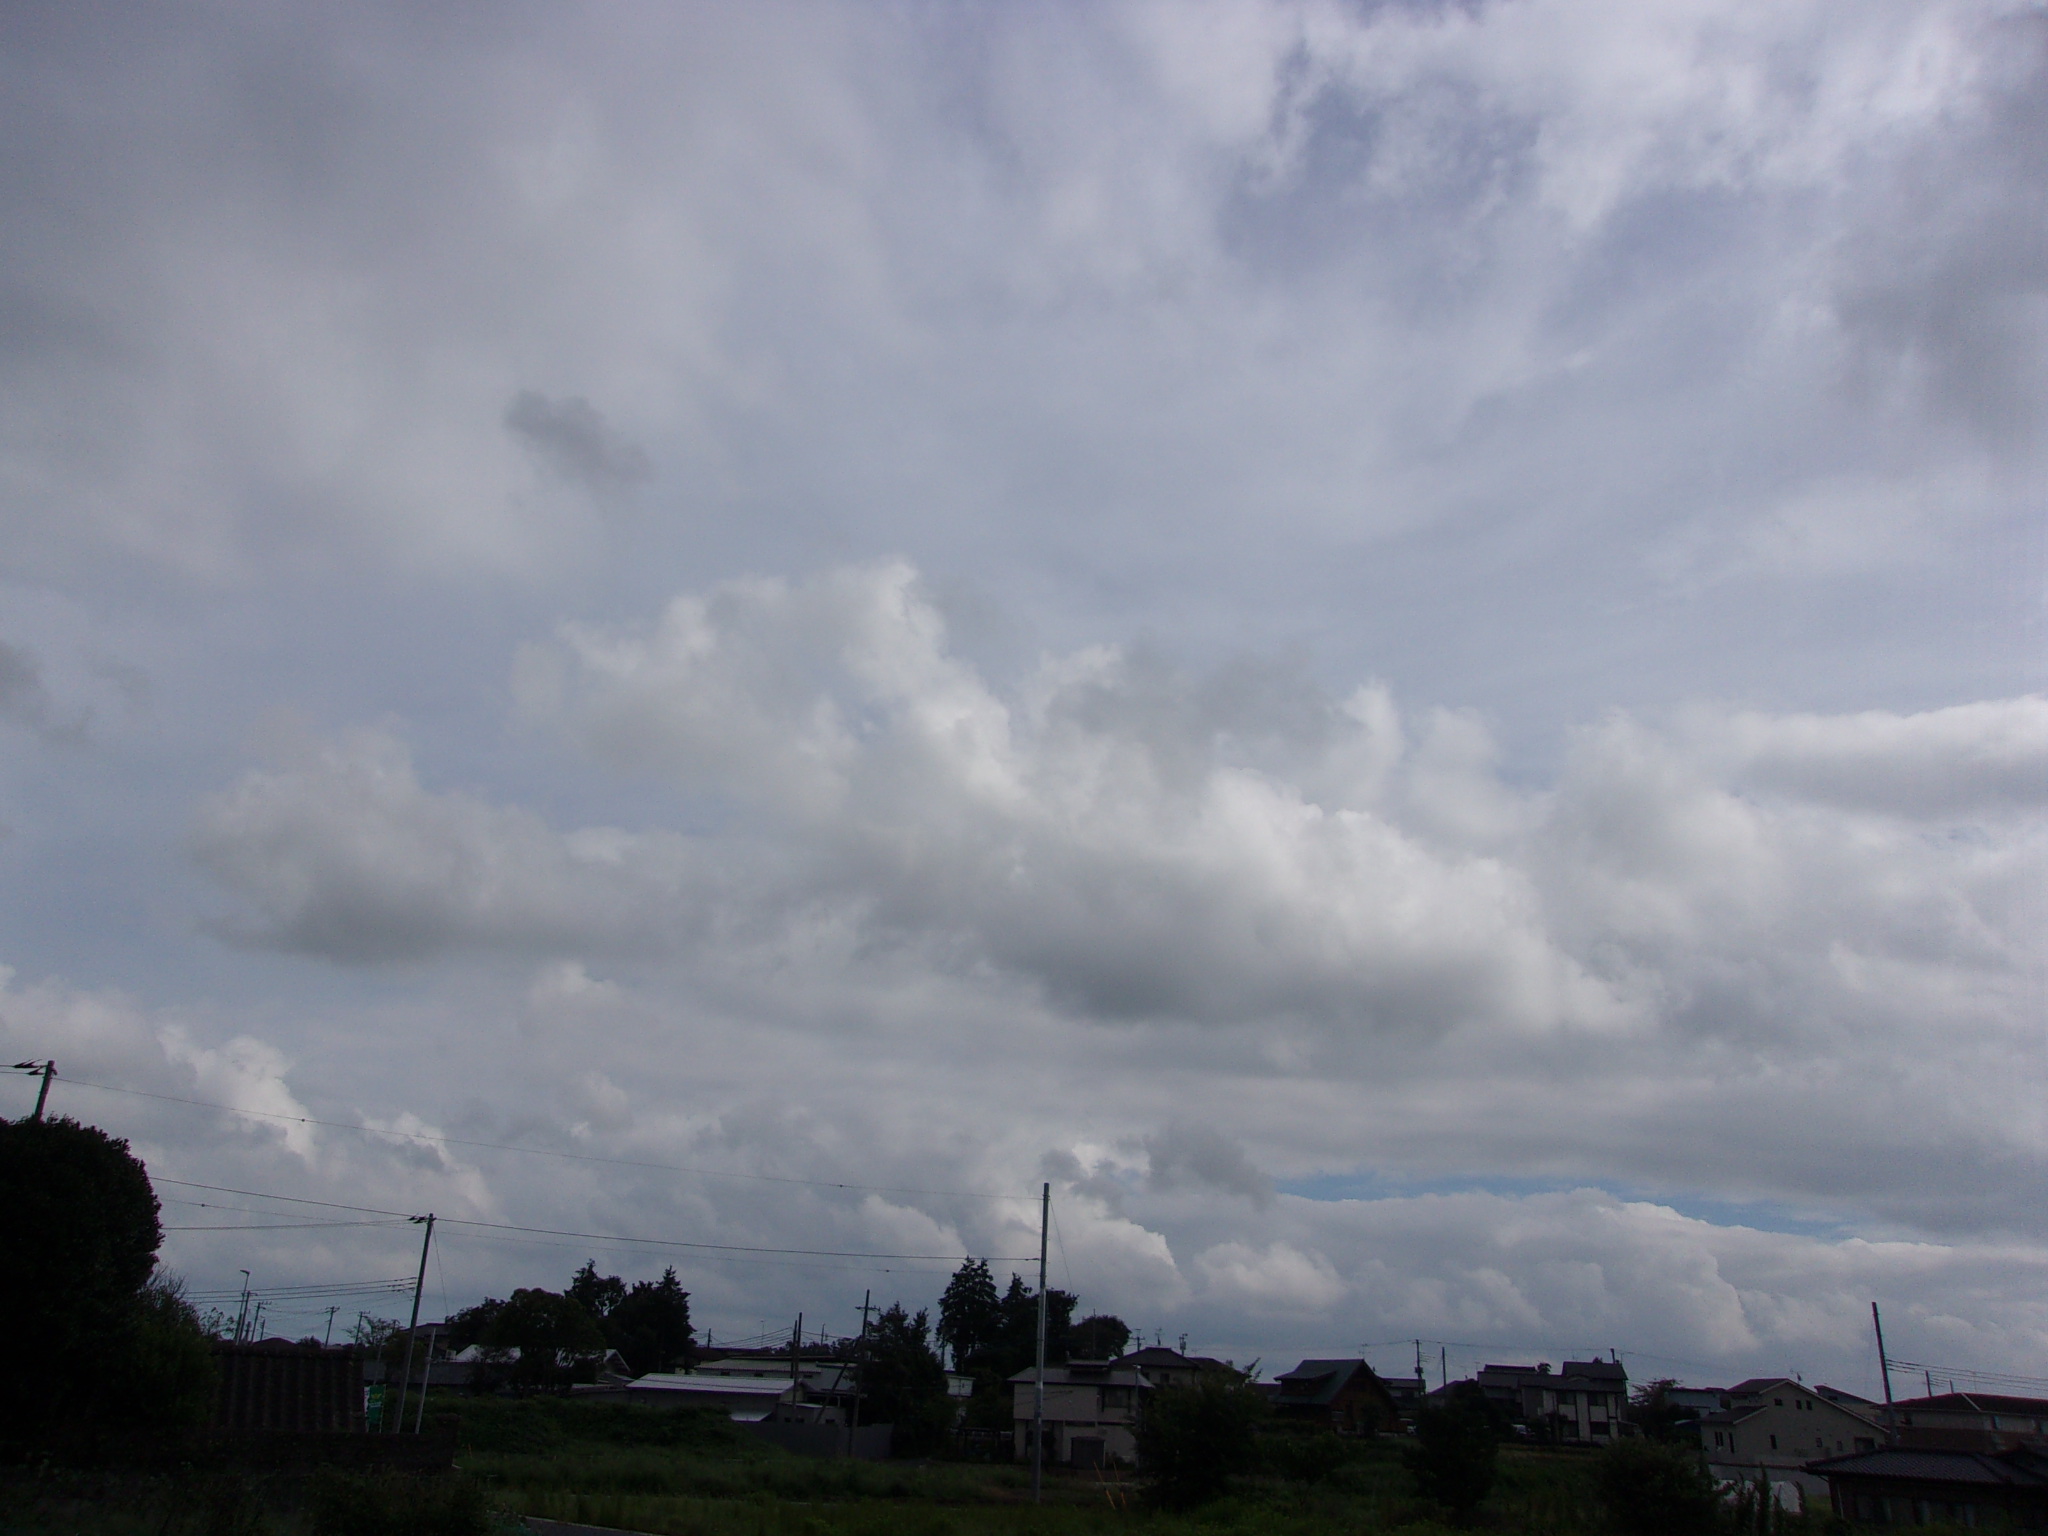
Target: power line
1957, 1373
279, 1226
600, 1237
579, 1157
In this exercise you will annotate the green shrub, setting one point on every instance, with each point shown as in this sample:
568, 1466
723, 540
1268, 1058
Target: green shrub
393, 1504
1454, 1453
1652, 1489
1194, 1437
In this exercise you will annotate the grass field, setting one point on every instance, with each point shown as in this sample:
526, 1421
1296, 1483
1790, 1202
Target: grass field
678, 1474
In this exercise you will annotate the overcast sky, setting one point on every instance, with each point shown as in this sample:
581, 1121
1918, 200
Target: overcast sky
1401, 644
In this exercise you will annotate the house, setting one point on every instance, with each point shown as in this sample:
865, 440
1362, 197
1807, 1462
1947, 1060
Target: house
1971, 1421
1345, 1395
1772, 1426
1579, 1403
1091, 1415
1165, 1367
1900, 1485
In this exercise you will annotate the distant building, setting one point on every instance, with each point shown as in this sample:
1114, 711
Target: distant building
1971, 1421
1580, 1403
1898, 1485
744, 1399
1772, 1426
1165, 1367
1091, 1416
1344, 1395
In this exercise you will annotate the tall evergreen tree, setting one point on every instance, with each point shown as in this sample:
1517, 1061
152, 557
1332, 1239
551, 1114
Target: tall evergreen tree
970, 1313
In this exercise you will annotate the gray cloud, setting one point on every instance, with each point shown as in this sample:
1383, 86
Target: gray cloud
571, 438
1622, 422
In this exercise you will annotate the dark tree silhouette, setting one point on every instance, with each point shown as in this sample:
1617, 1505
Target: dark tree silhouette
550, 1332
1454, 1451
95, 1342
1194, 1436
903, 1382
970, 1313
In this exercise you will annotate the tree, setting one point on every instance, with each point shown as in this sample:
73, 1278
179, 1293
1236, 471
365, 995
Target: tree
549, 1331
78, 1240
902, 1380
1455, 1446
970, 1313
595, 1295
1657, 1490
1654, 1414
650, 1325
1100, 1337
1195, 1435
1016, 1343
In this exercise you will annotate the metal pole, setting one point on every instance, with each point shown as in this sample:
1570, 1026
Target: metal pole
1038, 1381
412, 1328
426, 1372
1883, 1365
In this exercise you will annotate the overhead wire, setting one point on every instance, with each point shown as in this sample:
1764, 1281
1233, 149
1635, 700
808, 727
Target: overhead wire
580, 1157
601, 1237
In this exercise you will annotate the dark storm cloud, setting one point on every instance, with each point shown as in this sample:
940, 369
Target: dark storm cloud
575, 441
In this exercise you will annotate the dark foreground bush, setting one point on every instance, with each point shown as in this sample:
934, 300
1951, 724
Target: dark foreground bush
392, 1504
1454, 1453
1650, 1489
1194, 1437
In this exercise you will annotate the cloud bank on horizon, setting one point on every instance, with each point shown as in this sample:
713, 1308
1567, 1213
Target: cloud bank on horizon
1399, 644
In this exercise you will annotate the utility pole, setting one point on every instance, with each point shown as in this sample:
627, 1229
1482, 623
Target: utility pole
1883, 1364
242, 1316
1421, 1381
329, 1340
256, 1327
426, 1374
412, 1328
1443, 1365
796, 1349
1038, 1380
45, 1070
860, 1357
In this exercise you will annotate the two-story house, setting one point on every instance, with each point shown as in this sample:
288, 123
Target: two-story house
1343, 1395
1772, 1426
1091, 1415
1987, 1421
1581, 1402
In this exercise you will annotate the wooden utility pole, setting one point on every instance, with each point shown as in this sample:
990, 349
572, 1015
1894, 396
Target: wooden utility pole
1038, 1380
45, 1070
413, 1328
1883, 1364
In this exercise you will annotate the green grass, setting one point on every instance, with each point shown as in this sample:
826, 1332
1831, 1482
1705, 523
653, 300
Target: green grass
686, 1474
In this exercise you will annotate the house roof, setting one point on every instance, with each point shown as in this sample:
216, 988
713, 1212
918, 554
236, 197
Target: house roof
1973, 1402
1116, 1373
1584, 1370
2011, 1470
710, 1386
1316, 1382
